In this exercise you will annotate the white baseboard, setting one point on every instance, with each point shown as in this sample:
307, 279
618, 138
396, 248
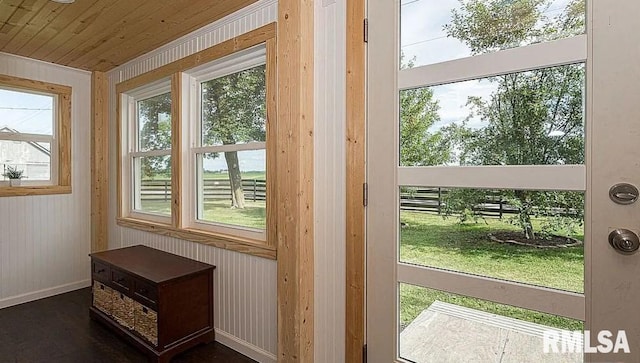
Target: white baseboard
41, 294
246, 348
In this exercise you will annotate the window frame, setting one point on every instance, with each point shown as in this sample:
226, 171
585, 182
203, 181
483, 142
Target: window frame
60, 140
234, 63
131, 133
185, 107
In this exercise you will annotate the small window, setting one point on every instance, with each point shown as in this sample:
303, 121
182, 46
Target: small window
34, 137
148, 122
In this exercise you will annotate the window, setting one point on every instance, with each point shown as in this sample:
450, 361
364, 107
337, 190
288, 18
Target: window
148, 154
197, 146
229, 145
35, 139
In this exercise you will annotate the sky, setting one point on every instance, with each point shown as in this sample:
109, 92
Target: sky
26, 112
424, 40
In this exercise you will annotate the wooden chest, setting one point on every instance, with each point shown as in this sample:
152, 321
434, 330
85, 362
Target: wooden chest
160, 302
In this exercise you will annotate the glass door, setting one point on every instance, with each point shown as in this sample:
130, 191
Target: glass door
496, 129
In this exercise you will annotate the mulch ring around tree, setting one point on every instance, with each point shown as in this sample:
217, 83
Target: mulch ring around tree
518, 238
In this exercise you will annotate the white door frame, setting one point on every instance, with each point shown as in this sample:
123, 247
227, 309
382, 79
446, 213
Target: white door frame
613, 93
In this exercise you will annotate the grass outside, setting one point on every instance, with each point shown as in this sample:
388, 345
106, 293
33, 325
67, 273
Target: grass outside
430, 240
220, 211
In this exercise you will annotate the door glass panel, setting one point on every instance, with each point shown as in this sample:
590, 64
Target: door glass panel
437, 326
527, 118
434, 31
534, 237
232, 188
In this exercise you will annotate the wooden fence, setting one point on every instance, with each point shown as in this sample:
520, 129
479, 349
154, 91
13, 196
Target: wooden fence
431, 200
214, 189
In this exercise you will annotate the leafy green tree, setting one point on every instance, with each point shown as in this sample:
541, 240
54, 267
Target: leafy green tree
155, 134
418, 113
533, 117
234, 111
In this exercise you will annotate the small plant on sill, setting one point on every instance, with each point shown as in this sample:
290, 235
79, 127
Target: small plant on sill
14, 175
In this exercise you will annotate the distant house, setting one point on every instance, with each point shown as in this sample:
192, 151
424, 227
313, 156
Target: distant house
32, 157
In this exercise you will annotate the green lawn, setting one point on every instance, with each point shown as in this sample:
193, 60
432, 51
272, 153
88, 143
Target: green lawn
430, 240
260, 175
253, 215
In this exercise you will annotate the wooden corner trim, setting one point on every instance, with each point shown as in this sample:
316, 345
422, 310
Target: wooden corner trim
356, 143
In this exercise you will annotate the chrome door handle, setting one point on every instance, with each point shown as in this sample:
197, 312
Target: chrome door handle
624, 241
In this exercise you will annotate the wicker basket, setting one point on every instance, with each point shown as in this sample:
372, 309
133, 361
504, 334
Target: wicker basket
103, 297
146, 323
123, 310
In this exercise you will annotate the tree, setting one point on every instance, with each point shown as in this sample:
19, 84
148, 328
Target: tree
533, 117
234, 111
155, 134
418, 112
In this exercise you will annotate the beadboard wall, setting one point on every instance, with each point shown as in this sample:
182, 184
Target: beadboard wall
45, 240
245, 286
245, 303
330, 180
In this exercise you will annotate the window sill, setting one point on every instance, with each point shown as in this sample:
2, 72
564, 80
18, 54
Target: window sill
34, 190
232, 243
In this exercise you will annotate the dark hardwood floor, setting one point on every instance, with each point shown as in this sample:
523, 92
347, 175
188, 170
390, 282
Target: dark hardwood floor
58, 329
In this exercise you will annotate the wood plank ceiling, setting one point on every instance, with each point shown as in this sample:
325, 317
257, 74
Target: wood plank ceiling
98, 35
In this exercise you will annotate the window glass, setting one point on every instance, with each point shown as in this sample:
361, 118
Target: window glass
32, 158
528, 236
152, 184
234, 108
434, 31
26, 112
527, 118
154, 123
232, 188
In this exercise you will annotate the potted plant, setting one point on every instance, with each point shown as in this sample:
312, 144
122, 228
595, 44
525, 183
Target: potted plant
14, 175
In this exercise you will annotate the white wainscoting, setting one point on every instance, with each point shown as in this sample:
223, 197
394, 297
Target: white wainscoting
245, 286
45, 240
330, 180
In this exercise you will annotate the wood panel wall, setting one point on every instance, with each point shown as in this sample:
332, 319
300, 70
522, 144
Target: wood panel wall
44, 240
330, 181
245, 305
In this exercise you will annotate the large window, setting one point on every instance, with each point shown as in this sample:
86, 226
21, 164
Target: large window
34, 137
196, 146
229, 145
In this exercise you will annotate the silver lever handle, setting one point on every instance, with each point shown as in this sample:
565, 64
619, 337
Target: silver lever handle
624, 241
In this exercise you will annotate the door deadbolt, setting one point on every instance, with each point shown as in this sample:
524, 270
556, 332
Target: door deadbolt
623, 193
624, 241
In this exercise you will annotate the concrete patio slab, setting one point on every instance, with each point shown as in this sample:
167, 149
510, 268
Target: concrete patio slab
450, 333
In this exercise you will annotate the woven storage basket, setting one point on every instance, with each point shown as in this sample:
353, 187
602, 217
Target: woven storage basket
103, 297
123, 309
146, 323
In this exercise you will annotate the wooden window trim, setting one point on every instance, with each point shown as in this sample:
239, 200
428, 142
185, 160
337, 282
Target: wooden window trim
177, 228
63, 132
